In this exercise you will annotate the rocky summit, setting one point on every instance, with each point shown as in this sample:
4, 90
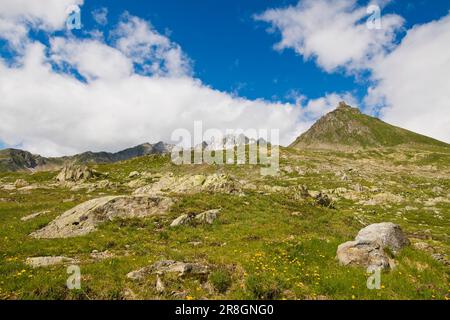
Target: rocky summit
346, 128
355, 200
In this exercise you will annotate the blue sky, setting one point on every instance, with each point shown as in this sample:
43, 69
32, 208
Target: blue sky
230, 51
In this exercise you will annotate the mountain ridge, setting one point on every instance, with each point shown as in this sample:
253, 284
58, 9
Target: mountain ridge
19, 160
347, 129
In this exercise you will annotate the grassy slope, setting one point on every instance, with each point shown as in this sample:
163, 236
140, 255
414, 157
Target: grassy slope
257, 247
349, 127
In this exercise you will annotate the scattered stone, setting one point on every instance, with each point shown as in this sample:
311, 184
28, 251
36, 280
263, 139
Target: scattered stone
96, 255
170, 266
383, 198
37, 262
134, 174
437, 189
20, 183
368, 247
324, 200
182, 220
206, 217
34, 215
85, 217
160, 288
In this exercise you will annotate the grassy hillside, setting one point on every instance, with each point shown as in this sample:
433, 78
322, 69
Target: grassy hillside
266, 244
347, 128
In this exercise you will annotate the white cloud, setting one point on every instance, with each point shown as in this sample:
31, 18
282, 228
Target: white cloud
52, 113
409, 81
413, 81
100, 15
17, 16
153, 52
91, 58
333, 32
138, 89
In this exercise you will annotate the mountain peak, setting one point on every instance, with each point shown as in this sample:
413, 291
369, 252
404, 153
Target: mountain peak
346, 128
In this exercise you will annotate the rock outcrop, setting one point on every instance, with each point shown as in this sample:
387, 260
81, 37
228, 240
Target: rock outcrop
37, 262
170, 266
206, 217
368, 248
76, 173
191, 184
85, 217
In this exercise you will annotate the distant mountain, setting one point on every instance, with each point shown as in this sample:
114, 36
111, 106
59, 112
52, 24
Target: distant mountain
346, 128
19, 160
229, 141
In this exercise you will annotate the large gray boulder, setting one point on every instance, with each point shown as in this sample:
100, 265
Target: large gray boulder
369, 255
387, 234
85, 217
368, 248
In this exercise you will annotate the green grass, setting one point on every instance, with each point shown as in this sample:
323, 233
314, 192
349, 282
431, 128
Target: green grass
257, 248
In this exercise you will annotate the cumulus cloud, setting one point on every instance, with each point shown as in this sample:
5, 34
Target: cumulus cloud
78, 94
148, 49
17, 16
333, 32
409, 81
412, 83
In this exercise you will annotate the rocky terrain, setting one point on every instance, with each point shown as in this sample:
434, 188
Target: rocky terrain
354, 195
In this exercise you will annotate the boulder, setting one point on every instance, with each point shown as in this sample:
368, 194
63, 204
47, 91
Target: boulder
182, 220
191, 184
85, 217
387, 234
134, 174
206, 217
20, 183
75, 173
368, 247
37, 262
369, 255
170, 266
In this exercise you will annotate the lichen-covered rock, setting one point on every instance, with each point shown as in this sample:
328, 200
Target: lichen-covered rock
368, 248
75, 173
170, 266
37, 262
85, 217
369, 255
20, 183
207, 217
184, 219
387, 234
191, 184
